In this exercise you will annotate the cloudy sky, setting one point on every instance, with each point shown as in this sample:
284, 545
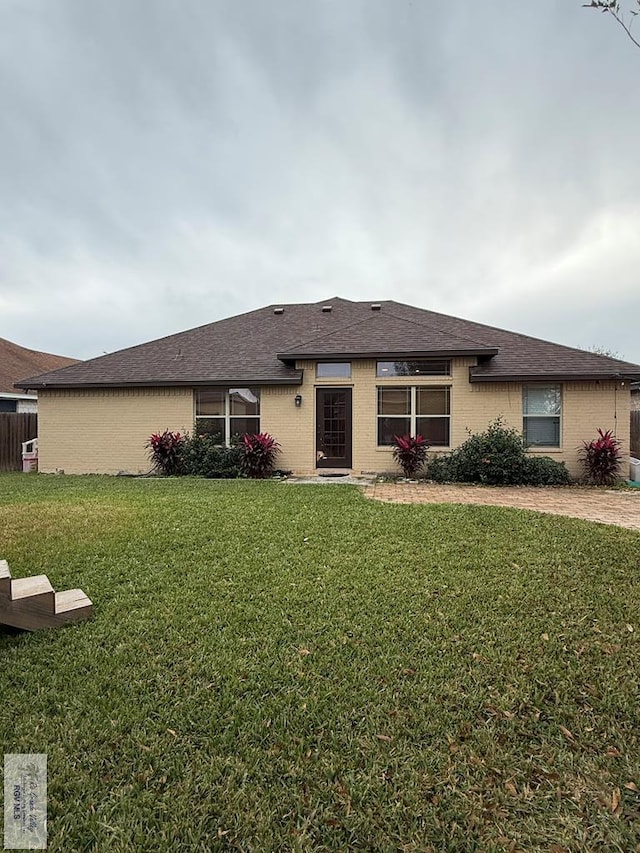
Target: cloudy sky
167, 163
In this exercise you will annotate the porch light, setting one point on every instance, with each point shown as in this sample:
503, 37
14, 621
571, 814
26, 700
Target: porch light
298, 400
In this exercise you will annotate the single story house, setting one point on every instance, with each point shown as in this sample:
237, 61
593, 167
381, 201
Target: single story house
16, 362
333, 382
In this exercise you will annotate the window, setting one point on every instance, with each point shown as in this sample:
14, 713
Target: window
541, 408
421, 367
414, 410
333, 370
226, 413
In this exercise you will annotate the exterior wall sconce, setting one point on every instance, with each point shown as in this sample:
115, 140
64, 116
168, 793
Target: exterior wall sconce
298, 400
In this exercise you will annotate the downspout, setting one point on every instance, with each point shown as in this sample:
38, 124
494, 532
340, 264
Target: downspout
619, 377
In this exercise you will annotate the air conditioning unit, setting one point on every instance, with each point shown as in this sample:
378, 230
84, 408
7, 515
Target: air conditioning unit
634, 472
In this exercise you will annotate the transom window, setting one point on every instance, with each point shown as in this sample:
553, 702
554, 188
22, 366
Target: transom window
414, 410
333, 370
227, 412
418, 367
541, 409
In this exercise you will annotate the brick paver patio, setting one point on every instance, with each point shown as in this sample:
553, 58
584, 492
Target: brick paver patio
621, 508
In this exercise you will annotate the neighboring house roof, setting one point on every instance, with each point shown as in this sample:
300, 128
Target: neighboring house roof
17, 361
261, 347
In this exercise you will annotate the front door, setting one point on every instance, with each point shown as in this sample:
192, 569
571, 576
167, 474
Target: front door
333, 427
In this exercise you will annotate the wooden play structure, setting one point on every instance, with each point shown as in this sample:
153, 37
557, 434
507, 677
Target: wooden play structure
32, 603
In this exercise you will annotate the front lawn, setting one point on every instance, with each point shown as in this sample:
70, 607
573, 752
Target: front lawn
279, 667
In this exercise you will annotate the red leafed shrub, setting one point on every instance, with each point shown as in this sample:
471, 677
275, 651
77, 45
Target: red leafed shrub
600, 458
258, 455
410, 453
165, 450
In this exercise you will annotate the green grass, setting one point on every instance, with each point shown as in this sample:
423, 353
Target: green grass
278, 667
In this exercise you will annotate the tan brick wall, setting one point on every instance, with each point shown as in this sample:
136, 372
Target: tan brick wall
293, 427
104, 431
586, 406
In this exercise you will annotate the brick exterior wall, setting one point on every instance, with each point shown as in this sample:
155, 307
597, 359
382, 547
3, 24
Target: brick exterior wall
585, 407
104, 431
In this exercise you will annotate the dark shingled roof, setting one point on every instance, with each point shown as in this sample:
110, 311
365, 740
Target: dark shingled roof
261, 347
17, 361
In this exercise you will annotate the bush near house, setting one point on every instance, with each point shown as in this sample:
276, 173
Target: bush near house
410, 453
497, 457
165, 449
259, 453
203, 455
601, 459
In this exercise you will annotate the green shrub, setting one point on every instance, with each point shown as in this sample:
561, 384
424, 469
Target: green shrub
203, 456
210, 428
544, 471
492, 457
496, 457
442, 469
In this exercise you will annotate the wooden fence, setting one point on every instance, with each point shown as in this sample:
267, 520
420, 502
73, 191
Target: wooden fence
635, 434
14, 429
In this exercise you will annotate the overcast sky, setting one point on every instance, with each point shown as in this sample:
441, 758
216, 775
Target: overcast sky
167, 163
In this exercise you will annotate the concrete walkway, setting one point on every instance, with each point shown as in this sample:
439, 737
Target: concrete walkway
621, 508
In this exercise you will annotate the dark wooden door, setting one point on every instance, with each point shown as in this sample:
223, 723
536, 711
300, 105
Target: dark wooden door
333, 427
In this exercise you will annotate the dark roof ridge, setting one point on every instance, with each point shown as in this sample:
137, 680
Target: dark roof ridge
442, 331
514, 334
330, 334
362, 320
583, 352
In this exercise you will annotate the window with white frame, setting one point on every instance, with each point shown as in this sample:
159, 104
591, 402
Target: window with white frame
541, 410
227, 412
414, 410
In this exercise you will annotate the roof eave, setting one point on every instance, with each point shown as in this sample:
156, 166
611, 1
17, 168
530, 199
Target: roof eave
380, 354
170, 383
549, 377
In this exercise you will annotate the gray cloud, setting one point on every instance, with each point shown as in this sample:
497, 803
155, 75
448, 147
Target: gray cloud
164, 165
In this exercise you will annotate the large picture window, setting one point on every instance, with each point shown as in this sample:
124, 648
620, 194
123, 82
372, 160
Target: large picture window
226, 413
414, 410
541, 409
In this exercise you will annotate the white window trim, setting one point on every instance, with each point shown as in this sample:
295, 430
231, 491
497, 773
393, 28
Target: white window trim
537, 447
